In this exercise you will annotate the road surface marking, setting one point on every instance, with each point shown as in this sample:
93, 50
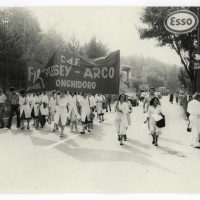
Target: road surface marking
69, 138
60, 142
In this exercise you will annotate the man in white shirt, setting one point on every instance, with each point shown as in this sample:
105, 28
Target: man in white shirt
194, 111
2, 108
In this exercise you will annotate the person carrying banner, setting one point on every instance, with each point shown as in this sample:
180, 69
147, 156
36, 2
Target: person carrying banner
60, 117
14, 104
25, 109
121, 121
85, 113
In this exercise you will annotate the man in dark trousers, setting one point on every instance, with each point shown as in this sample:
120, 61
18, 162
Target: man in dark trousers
108, 102
14, 107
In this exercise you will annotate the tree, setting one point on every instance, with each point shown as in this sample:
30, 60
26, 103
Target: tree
19, 29
184, 45
94, 49
73, 45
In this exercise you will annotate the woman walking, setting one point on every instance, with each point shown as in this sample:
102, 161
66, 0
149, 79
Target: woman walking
25, 109
61, 113
44, 111
99, 106
35, 102
154, 114
85, 113
128, 115
52, 109
121, 121
73, 112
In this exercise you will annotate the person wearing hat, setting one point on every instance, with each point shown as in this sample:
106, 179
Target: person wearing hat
14, 104
194, 110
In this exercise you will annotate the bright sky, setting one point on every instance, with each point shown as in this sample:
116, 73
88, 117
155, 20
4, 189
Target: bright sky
114, 26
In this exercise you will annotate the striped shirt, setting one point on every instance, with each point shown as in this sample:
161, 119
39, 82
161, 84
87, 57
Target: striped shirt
14, 98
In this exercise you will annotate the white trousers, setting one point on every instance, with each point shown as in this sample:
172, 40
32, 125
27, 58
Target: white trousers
195, 124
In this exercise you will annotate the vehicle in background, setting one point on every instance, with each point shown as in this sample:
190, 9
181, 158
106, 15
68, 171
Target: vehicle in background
159, 94
163, 90
143, 95
132, 98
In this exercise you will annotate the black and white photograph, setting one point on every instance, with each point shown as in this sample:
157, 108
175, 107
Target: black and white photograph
99, 99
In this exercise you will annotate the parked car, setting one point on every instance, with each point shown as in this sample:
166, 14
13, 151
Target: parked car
159, 94
143, 95
133, 99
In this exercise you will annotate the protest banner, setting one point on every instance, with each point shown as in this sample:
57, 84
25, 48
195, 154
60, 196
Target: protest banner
74, 72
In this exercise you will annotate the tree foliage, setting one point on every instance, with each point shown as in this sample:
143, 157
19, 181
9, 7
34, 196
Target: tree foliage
183, 44
152, 73
94, 48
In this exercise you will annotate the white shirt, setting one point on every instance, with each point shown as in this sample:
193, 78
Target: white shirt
194, 107
85, 104
2, 98
92, 101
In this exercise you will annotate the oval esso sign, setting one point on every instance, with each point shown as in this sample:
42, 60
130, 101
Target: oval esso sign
181, 22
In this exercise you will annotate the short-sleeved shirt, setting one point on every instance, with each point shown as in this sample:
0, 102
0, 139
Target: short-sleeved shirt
148, 99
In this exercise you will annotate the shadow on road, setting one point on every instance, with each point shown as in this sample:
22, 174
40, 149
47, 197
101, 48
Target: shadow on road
138, 143
37, 141
167, 150
172, 141
100, 155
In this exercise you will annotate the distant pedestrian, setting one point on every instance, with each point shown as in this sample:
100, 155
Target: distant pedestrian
154, 112
14, 107
177, 97
171, 98
194, 118
2, 108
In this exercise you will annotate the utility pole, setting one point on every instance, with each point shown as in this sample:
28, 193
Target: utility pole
4, 51
197, 73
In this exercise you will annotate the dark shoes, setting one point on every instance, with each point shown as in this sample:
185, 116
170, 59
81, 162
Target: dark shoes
125, 137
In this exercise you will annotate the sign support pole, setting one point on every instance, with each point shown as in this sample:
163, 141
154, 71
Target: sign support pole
197, 73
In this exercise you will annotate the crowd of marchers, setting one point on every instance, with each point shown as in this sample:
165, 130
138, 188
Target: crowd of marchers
69, 108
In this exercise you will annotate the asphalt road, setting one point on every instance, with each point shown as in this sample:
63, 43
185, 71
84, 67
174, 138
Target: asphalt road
40, 162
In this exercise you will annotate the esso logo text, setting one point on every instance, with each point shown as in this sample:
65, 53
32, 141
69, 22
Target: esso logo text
181, 22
